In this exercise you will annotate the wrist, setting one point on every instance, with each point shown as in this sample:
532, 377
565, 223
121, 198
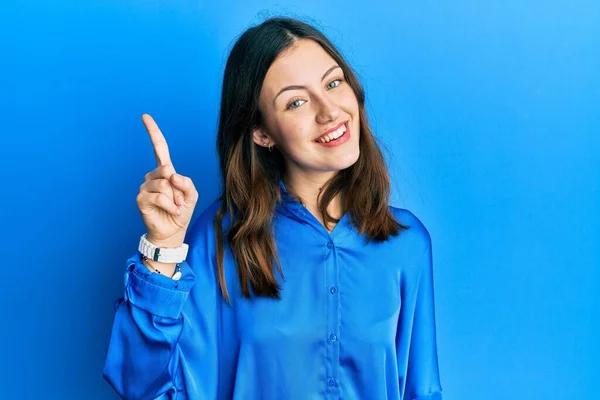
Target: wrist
174, 241
172, 250
172, 270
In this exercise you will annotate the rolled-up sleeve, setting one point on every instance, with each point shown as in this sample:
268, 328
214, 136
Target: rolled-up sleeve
155, 293
164, 342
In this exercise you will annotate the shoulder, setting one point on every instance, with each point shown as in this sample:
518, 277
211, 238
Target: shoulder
416, 236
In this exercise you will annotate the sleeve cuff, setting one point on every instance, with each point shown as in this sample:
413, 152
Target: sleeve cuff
155, 293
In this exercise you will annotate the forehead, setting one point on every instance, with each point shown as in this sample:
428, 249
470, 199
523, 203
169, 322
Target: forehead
302, 64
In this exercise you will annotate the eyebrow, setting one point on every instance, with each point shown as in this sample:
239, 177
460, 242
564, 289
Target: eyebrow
297, 87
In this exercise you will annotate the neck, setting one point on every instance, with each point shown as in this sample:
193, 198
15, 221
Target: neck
307, 188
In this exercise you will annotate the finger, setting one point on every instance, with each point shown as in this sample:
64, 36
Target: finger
163, 202
186, 186
165, 172
161, 172
158, 186
157, 200
159, 143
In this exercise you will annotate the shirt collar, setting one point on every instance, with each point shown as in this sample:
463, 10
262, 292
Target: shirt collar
291, 207
289, 202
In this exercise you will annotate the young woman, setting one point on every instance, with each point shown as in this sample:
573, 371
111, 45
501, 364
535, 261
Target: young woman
301, 281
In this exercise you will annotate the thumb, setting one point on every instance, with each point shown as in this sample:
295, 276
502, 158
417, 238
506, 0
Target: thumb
184, 187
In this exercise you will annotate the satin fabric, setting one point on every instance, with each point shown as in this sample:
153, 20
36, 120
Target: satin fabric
355, 320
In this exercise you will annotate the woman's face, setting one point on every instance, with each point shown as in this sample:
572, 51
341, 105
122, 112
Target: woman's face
304, 95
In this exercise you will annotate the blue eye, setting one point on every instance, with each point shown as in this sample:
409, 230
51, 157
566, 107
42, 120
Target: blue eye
289, 107
335, 80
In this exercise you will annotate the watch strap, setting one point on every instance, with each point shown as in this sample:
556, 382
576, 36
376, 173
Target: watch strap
162, 254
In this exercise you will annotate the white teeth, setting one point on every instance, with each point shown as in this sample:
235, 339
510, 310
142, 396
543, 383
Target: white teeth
333, 135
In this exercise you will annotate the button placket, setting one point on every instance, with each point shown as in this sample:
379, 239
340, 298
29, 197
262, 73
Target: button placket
333, 318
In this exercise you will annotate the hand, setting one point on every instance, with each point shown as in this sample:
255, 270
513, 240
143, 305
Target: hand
166, 199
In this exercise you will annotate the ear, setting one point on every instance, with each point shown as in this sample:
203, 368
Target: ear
261, 138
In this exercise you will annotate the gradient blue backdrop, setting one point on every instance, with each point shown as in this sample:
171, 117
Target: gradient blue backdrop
489, 112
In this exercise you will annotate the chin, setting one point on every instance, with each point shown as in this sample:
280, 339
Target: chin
347, 161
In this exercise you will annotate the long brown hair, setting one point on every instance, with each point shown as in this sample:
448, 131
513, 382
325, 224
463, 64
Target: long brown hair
251, 173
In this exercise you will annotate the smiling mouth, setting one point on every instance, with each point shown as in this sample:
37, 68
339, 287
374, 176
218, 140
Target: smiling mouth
333, 136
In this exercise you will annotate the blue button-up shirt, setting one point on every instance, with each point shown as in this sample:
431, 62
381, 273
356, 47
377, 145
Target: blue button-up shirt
355, 320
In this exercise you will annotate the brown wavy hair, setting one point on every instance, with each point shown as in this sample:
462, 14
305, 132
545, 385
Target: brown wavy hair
251, 174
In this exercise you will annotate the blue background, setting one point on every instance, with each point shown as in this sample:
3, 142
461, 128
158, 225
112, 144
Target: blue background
488, 112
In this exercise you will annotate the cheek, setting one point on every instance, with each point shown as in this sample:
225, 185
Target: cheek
351, 102
294, 131
347, 101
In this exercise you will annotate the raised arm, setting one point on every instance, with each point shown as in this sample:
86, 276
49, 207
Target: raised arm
161, 345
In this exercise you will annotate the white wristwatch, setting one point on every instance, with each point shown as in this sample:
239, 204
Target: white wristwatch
162, 254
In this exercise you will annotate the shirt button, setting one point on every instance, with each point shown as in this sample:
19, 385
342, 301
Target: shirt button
332, 383
329, 245
332, 337
333, 290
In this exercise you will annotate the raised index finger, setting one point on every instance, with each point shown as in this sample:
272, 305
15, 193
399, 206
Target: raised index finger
161, 150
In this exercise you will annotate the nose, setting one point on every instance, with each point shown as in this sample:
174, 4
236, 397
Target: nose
328, 110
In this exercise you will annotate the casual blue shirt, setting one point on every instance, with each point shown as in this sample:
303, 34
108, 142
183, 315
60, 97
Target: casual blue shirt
355, 320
